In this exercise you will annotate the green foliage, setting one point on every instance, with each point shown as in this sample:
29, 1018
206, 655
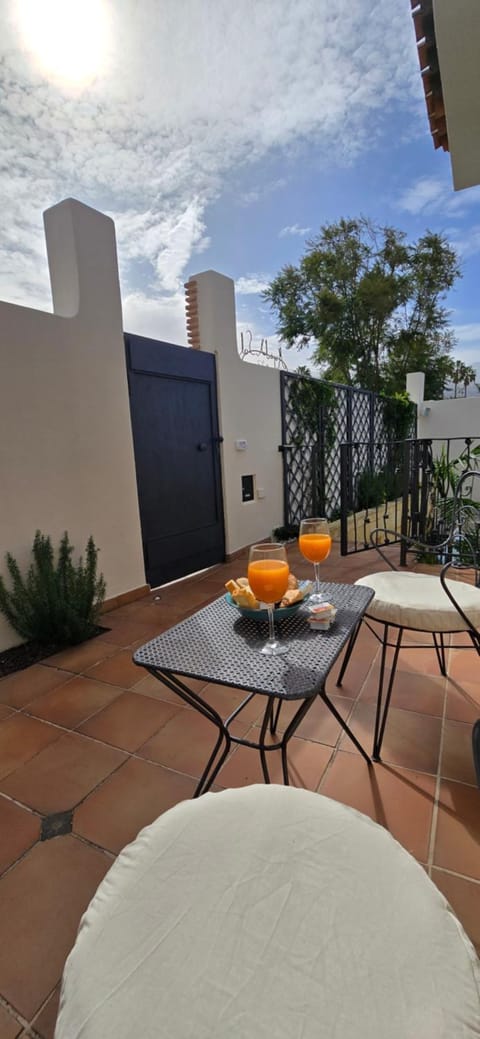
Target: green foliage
415, 352
56, 603
312, 401
461, 375
370, 304
443, 479
376, 488
370, 489
286, 533
398, 415
314, 405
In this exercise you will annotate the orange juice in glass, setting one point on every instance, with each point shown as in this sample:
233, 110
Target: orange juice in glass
267, 573
315, 542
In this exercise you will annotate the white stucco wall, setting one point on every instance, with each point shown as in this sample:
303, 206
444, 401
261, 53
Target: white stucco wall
458, 417
444, 419
249, 409
457, 34
66, 451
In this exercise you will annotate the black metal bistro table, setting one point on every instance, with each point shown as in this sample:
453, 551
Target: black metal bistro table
216, 645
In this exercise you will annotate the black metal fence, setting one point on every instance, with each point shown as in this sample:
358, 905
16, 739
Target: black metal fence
313, 429
405, 486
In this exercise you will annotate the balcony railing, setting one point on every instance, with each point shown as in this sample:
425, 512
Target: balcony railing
405, 486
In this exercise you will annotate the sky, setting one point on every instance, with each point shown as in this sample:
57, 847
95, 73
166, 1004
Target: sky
219, 136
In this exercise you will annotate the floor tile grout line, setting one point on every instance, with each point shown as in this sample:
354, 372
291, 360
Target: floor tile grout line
459, 876
13, 1012
336, 748
433, 825
42, 1007
113, 855
128, 755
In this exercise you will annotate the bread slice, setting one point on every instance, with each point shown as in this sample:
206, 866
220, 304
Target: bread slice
242, 594
292, 596
245, 597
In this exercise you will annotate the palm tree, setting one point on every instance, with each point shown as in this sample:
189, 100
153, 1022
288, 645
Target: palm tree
469, 375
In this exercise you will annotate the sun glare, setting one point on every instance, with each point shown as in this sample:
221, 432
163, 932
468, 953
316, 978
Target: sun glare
67, 38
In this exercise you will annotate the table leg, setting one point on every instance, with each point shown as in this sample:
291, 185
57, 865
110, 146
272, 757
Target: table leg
289, 732
275, 717
287, 735
328, 703
263, 732
194, 700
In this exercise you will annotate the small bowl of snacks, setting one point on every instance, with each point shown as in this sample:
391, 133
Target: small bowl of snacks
240, 596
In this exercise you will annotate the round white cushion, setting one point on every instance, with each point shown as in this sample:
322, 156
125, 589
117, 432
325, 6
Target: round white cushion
418, 601
268, 913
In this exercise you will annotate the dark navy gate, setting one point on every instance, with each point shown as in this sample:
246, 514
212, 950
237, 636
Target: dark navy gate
173, 405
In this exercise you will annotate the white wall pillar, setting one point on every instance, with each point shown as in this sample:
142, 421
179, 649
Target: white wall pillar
249, 412
66, 448
415, 390
416, 387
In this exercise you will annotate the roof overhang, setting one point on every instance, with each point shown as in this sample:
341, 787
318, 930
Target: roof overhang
448, 38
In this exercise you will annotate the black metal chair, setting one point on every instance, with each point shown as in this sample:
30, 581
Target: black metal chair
434, 604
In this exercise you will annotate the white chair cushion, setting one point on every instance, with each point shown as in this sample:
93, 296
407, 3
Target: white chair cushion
418, 601
268, 913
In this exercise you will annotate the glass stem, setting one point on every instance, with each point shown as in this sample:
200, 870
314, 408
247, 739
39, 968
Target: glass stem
271, 623
316, 567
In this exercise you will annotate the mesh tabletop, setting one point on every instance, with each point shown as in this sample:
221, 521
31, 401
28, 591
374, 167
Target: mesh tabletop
218, 645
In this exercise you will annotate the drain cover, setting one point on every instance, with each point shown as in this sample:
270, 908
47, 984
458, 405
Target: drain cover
56, 824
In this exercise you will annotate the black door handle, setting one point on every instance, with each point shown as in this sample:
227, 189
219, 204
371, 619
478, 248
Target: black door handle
202, 447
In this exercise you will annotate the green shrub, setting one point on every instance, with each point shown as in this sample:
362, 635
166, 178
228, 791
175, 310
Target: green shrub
57, 603
370, 489
286, 533
377, 487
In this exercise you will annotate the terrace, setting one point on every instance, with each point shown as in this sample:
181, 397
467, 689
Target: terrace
91, 750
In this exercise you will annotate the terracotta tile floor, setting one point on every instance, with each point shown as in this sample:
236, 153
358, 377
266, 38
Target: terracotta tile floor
92, 749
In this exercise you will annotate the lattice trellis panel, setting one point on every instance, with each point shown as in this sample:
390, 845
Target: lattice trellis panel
361, 414
378, 420
301, 456
312, 482
340, 420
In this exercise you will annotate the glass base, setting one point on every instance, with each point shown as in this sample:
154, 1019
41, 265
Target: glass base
315, 599
274, 649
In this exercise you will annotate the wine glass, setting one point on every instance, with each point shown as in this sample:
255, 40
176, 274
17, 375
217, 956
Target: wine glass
315, 542
268, 572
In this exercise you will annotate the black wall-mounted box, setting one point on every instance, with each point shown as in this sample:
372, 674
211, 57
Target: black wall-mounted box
247, 488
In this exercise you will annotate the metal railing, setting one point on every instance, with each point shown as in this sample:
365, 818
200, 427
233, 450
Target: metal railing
405, 486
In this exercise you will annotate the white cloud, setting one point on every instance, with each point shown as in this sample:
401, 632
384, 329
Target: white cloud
468, 333
436, 195
160, 317
465, 239
247, 198
468, 347
251, 284
293, 229
167, 242
182, 103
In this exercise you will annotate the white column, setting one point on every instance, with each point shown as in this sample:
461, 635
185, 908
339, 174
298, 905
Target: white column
249, 414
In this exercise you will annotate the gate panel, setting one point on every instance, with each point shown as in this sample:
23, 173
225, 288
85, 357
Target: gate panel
173, 406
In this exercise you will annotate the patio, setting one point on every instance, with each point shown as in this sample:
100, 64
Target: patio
89, 740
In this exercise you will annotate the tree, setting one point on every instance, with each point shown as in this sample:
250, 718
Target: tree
461, 374
469, 376
370, 305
